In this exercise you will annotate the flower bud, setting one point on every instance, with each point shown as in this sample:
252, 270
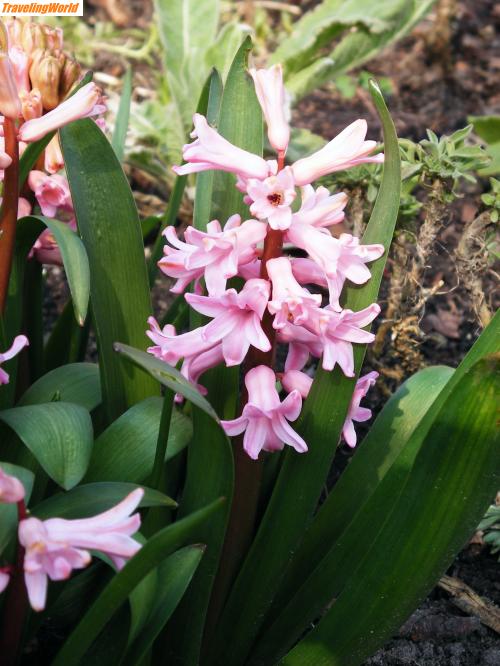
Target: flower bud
45, 75
10, 105
53, 38
14, 28
69, 76
32, 37
31, 104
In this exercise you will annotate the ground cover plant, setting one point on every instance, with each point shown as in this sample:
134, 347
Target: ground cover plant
164, 501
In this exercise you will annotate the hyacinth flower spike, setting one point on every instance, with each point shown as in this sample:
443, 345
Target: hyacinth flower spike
264, 419
18, 345
55, 547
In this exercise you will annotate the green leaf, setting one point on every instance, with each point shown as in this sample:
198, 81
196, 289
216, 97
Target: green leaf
116, 593
452, 481
166, 375
174, 576
76, 263
58, 434
123, 117
323, 416
92, 498
486, 127
77, 383
125, 451
8, 512
68, 341
109, 225
352, 515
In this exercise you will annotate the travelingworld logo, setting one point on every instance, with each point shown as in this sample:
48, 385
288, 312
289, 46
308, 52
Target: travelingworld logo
41, 8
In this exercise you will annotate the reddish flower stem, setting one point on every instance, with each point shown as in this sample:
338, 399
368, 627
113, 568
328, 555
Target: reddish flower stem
248, 472
9, 209
16, 605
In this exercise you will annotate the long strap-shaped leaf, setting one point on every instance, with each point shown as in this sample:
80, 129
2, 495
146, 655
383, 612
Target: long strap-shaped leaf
302, 478
148, 558
210, 458
454, 477
109, 225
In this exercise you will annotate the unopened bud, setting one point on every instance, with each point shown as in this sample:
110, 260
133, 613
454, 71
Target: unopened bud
54, 160
33, 37
14, 28
53, 38
4, 38
31, 104
69, 76
45, 74
10, 105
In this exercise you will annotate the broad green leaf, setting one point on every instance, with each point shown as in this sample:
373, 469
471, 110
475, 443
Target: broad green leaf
8, 512
90, 499
455, 474
78, 383
166, 375
123, 117
323, 416
109, 225
187, 30
486, 127
173, 578
76, 263
117, 591
58, 434
351, 517
240, 122
125, 451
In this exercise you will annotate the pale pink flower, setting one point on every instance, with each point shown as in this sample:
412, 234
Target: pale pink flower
51, 192
319, 208
54, 547
329, 334
85, 103
198, 363
20, 68
272, 99
237, 319
4, 580
215, 254
54, 160
265, 418
170, 347
5, 160
211, 151
357, 413
347, 149
272, 198
23, 207
11, 489
290, 302
20, 342
340, 258
295, 380
10, 104
46, 250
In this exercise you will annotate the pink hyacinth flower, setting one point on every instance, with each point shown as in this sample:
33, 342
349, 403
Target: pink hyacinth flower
10, 104
5, 160
272, 99
170, 347
319, 208
211, 151
19, 343
11, 489
272, 198
216, 253
265, 418
347, 149
4, 580
290, 302
85, 103
55, 547
340, 258
357, 413
237, 319
51, 192
295, 380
